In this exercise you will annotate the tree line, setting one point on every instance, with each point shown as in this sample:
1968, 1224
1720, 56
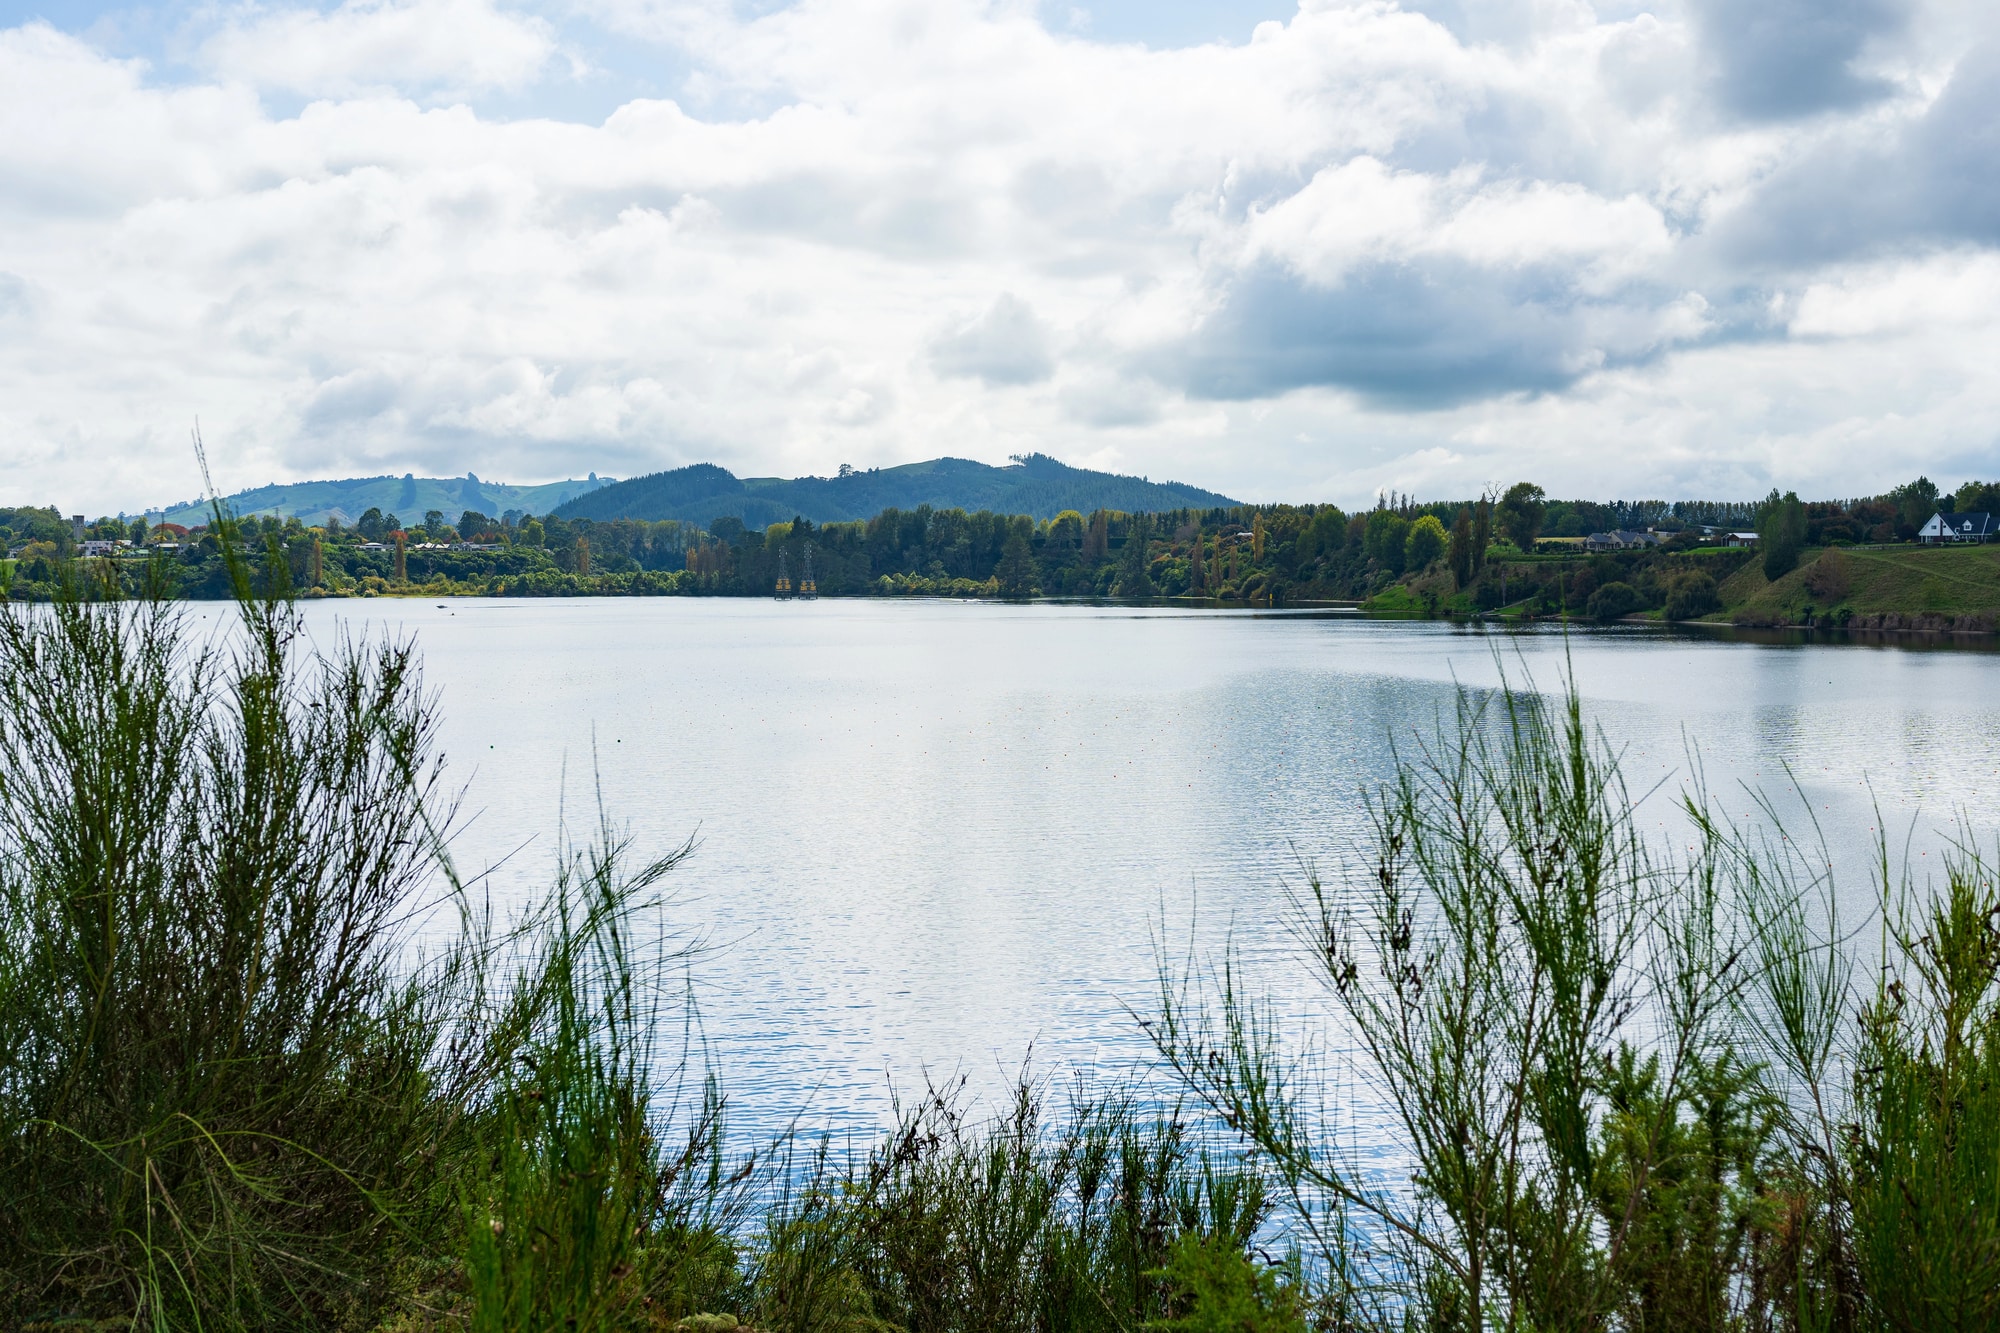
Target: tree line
1475, 554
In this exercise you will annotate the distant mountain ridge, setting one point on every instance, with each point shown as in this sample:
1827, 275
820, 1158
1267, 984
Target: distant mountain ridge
1036, 485
408, 497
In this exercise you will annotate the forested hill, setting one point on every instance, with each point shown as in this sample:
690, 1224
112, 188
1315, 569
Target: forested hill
1037, 485
410, 497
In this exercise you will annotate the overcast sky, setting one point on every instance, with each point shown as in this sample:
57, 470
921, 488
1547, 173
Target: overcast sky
1694, 247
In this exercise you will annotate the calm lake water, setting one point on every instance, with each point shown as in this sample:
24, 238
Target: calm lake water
933, 836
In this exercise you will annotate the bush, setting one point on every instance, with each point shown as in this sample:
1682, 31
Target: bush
1614, 600
1828, 579
1692, 595
233, 1094
1634, 1086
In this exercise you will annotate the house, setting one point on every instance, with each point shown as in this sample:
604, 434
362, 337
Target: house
95, 547
1739, 539
1620, 541
1958, 528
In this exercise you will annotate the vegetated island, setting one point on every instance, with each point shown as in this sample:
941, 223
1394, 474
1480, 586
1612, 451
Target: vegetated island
1915, 558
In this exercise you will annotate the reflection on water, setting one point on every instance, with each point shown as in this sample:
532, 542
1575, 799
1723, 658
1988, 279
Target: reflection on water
935, 834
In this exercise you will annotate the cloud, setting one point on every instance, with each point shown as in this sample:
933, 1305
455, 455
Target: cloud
1632, 246
1007, 345
1396, 334
447, 47
1779, 58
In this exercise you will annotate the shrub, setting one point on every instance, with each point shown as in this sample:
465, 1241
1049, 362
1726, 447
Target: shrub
233, 1093
1614, 600
1692, 595
1828, 579
1633, 1086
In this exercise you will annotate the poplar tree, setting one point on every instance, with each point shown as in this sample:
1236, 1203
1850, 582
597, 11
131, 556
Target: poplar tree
1097, 538
1134, 580
1461, 547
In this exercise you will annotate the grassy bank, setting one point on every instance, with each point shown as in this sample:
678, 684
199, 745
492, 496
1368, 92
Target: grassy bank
1874, 587
249, 1081
1889, 588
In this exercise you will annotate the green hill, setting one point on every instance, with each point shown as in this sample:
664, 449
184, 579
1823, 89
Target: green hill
1874, 587
1036, 485
408, 497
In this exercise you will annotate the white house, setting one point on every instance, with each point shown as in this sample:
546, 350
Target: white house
1959, 528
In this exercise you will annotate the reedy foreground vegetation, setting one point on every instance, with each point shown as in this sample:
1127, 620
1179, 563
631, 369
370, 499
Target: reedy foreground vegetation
247, 1080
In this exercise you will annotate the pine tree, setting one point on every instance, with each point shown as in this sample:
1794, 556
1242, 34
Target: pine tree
402, 561
1195, 580
1134, 579
1016, 571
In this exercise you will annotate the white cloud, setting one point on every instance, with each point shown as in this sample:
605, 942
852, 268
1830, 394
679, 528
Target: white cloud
1368, 247
450, 47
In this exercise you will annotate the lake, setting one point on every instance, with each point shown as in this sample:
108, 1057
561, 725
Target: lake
934, 836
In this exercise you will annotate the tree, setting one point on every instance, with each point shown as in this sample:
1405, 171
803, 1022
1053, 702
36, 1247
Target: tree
1482, 532
1386, 536
1614, 600
433, 523
1196, 581
1976, 497
1916, 501
1781, 533
1097, 538
1461, 547
1520, 513
1016, 570
1134, 579
1692, 595
371, 526
1425, 543
472, 523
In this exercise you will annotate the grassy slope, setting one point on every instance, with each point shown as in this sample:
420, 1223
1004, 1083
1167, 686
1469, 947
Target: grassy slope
1906, 587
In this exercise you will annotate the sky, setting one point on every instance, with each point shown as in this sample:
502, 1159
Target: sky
1305, 252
